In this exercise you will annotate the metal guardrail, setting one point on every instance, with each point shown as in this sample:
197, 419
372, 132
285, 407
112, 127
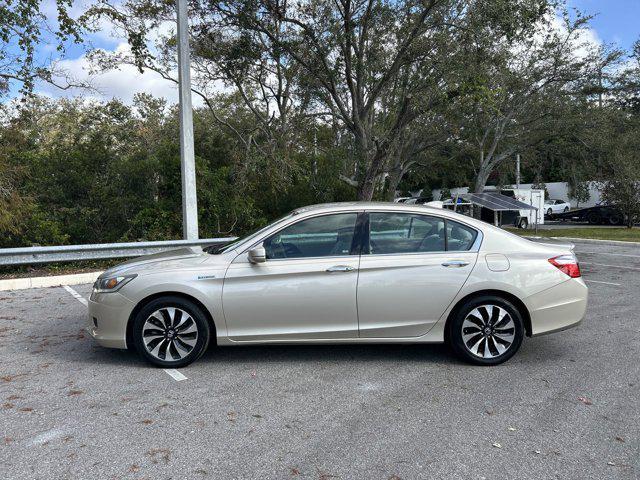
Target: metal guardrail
69, 253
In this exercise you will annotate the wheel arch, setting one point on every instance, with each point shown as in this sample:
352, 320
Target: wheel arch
145, 301
519, 304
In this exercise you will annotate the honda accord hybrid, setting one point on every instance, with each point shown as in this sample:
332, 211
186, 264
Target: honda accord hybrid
344, 273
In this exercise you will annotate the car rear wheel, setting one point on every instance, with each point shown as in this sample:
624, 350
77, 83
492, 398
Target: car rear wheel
486, 330
566, 209
523, 223
171, 332
549, 212
615, 219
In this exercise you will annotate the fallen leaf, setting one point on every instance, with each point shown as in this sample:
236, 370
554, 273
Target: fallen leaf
134, 468
620, 439
585, 400
497, 445
511, 429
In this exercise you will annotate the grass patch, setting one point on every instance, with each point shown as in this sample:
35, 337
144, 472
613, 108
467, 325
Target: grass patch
615, 233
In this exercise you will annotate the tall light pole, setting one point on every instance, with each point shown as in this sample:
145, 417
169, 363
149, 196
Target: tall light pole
187, 155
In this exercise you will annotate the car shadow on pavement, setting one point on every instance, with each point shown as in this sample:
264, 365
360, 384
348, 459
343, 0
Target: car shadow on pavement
424, 353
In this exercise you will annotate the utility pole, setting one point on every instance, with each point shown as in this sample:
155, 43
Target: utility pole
187, 154
518, 170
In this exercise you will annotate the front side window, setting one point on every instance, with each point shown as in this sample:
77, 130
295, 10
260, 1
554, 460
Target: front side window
324, 236
405, 233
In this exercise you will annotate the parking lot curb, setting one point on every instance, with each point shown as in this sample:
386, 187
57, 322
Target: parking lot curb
592, 240
52, 281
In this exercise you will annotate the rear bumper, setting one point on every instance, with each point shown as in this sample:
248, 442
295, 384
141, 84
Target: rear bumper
108, 318
558, 308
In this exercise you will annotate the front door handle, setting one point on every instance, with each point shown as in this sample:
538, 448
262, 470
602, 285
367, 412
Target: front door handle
340, 268
455, 263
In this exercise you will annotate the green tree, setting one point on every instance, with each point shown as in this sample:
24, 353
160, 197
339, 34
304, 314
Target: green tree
23, 28
580, 192
621, 186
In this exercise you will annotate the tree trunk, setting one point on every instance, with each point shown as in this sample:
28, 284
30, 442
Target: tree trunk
366, 189
393, 180
481, 179
373, 165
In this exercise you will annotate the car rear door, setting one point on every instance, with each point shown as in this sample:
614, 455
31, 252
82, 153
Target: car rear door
411, 269
306, 289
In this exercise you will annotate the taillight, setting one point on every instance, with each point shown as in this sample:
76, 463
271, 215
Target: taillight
567, 264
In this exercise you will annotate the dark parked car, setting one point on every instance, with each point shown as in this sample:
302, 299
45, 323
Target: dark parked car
598, 215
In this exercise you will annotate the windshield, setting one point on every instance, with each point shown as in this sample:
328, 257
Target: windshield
217, 249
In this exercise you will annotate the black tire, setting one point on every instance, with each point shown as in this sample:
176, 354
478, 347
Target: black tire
523, 223
615, 219
549, 212
594, 218
455, 332
566, 209
201, 323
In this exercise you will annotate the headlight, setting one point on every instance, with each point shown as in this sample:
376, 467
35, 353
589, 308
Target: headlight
111, 284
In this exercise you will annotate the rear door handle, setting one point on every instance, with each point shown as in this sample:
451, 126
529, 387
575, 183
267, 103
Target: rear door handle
455, 263
340, 268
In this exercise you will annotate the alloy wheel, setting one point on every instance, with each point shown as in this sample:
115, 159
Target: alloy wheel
488, 331
169, 334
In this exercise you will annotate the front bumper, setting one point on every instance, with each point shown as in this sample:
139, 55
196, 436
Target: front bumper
108, 317
558, 308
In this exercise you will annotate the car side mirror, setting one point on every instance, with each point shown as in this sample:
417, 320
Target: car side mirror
257, 254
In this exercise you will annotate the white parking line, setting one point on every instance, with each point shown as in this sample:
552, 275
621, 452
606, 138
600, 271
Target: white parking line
604, 283
76, 295
175, 374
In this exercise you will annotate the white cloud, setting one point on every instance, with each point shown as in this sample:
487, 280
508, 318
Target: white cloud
122, 83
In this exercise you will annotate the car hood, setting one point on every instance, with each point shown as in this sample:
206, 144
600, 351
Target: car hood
170, 259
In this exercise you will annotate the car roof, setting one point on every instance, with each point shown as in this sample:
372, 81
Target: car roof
389, 206
361, 206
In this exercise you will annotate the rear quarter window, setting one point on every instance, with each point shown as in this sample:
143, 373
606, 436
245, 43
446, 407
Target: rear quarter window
460, 237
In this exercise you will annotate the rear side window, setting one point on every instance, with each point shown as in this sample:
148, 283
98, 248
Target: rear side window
392, 233
405, 233
459, 236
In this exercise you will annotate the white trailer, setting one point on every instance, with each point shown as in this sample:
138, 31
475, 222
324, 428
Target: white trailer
530, 196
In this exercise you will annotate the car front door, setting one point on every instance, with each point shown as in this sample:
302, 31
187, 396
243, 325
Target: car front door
411, 270
306, 289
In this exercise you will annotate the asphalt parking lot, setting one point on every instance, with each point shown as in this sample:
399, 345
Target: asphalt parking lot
566, 406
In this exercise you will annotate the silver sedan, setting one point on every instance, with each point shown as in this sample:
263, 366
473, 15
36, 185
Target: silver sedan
344, 273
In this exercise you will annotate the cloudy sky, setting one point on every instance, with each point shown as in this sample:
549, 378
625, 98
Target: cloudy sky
616, 22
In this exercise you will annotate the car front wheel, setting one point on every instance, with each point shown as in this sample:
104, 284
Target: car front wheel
486, 330
171, 332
